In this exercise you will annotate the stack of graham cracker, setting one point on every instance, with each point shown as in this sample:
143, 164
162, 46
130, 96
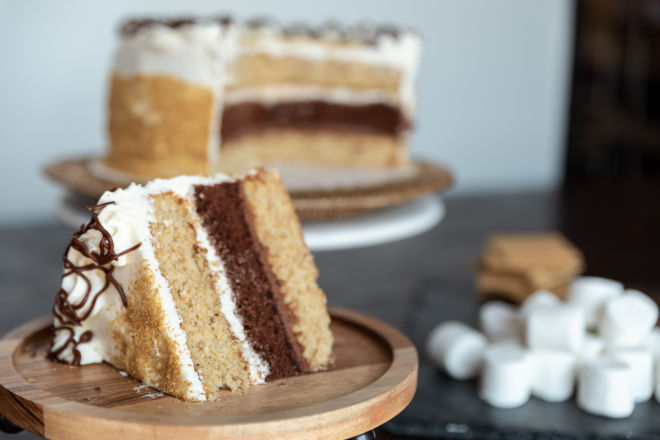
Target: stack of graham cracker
515, 265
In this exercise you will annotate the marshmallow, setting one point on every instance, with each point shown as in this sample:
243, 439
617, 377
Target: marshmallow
540, 298
591, 294
628, 319
457, 349
500, 322
605, 388
559, 327
554, 374
653, 342
657, 382
506, 379
640, 361
592, 347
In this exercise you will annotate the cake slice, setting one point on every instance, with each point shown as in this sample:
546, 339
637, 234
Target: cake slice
193, 285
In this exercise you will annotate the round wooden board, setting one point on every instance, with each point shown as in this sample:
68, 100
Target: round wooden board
374, 378
75, 175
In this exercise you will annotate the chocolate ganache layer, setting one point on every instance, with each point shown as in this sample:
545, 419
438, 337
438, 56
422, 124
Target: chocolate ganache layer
267, 320
250, 117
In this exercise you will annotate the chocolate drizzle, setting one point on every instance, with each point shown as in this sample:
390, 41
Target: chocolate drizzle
85, 337
69, 314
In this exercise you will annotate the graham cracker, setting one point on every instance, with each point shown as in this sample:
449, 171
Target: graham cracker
515, 288
515, 265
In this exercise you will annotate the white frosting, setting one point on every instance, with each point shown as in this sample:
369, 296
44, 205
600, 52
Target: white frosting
199, 53
195, 53
95, 350
127, 220
273, 94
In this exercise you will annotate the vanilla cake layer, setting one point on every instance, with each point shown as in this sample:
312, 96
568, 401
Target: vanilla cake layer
192, 286
192, 282
217, 68
259, 70
310, 147
160, 126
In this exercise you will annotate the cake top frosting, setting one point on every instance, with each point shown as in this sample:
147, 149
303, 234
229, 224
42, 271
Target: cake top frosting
198, 50
361, 33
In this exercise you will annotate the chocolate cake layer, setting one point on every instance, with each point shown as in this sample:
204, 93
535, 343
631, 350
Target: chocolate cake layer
248, 117
267, 320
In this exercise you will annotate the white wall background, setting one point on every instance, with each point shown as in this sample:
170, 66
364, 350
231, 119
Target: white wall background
492, 85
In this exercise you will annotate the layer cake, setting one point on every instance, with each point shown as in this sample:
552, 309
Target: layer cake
193, 285
197, 96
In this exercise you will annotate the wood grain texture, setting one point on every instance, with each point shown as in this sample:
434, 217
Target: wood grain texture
374, 377
74, 174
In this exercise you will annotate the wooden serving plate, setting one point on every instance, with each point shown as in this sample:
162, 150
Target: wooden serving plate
374, 377
75, 175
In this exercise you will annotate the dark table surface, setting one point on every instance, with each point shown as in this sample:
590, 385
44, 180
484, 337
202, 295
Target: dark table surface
619, 229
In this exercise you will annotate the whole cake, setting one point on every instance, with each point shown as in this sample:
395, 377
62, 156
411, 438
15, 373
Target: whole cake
197, 96
192, 285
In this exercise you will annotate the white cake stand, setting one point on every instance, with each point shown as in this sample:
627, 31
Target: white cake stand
379, 227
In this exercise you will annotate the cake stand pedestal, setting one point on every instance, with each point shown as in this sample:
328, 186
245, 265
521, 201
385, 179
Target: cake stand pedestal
373, 378
378, 227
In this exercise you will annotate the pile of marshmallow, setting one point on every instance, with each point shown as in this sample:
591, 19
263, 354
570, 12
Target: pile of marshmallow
602, 340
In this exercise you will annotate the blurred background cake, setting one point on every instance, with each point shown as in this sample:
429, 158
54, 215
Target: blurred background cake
330, 105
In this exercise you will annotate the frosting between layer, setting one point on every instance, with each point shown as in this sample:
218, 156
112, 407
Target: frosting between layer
258, 368
273, 94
